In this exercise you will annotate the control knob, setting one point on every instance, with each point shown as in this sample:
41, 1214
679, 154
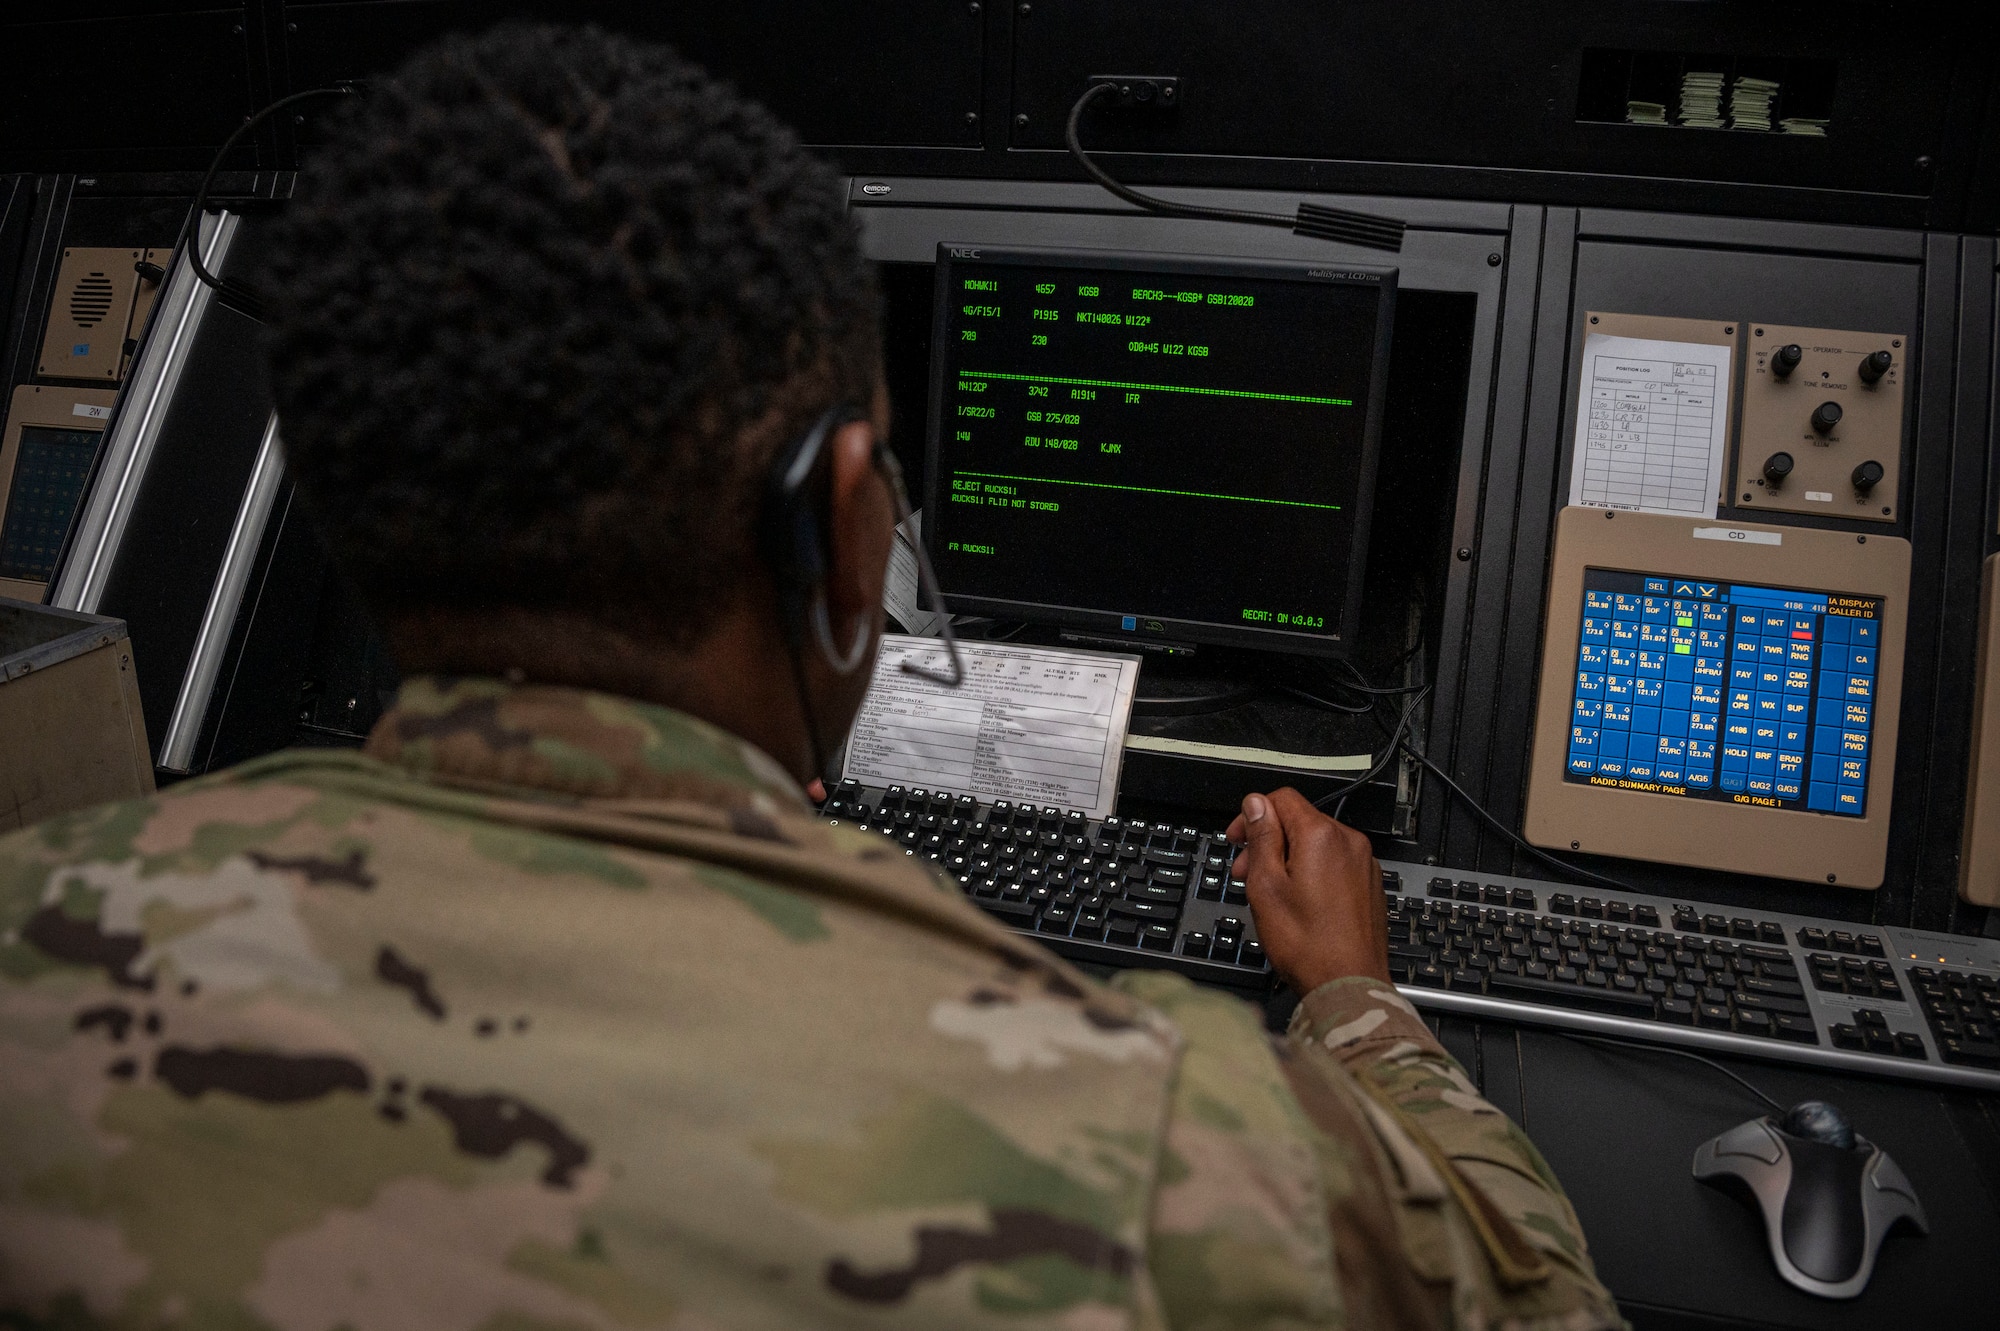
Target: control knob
1825, 416
1776, 468
1867, 476
1786, 359
1875, 366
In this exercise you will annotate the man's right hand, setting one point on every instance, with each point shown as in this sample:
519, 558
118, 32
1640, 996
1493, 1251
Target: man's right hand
1315, 891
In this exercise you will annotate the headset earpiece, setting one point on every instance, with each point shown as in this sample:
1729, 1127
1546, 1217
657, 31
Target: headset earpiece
791, 535
792, 526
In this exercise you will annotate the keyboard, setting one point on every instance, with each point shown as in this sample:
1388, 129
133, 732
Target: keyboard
1902, 1003
1092, 891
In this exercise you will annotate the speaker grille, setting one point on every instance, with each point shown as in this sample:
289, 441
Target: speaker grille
90, 301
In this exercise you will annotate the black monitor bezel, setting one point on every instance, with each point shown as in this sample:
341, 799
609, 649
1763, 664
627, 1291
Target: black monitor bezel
1337, 642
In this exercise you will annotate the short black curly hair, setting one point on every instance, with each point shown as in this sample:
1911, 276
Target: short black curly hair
544, 307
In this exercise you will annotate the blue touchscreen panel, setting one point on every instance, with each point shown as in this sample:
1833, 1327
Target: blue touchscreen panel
1724, 691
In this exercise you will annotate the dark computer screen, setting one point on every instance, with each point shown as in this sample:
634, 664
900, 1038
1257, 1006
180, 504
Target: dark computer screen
50, 471
1724, 691
1156, 448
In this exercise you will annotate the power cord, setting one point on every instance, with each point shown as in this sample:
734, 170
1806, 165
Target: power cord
239, 295
1311, 219
1633, 1047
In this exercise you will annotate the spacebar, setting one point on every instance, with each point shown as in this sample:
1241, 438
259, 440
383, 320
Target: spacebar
1614, 1001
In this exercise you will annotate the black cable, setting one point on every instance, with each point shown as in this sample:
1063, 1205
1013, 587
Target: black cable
1631, 1046
1311, 219
237, 293
795, 654
1147, 201
1537, 852
1361, 685
1397, 691
1340, 793
1193, 704
1400, 740
1346, 709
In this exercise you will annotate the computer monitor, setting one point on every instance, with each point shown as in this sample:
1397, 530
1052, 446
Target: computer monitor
1154, 448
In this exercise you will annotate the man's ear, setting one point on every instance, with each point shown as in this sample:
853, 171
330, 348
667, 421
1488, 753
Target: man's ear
861, 523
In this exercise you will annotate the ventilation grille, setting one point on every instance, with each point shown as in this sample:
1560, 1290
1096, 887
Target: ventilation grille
91, 300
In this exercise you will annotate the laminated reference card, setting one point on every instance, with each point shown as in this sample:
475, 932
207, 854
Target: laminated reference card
1030, 724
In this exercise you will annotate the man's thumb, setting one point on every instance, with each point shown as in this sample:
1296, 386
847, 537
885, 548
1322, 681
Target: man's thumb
1263, 834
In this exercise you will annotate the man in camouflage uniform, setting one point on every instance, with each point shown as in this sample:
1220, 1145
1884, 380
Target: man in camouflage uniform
556, 1007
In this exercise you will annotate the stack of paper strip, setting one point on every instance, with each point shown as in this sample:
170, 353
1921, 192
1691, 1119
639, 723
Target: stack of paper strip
1645, 113
1701, 100
1803, 125
1750, 103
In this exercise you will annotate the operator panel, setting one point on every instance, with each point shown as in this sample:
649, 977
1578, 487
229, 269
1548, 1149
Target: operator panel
1717, 690
1822, 422
1156, 448
1720, 696
48, 453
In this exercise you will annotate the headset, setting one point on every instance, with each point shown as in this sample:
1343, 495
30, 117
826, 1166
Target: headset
792, 537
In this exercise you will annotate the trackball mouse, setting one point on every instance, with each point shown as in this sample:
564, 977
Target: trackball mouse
1828, 1194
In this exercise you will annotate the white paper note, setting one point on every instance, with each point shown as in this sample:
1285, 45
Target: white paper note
903, 584
1652, 424
1029, 724
1237, 753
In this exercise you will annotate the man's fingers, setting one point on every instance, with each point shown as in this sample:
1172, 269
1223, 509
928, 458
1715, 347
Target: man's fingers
1313, 833
1312, 888
1296, 812
1263, 838
1285, 803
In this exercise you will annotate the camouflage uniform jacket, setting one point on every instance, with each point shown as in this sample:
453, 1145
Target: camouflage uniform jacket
555, 1010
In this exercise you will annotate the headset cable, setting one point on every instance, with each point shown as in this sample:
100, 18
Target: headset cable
1312, 219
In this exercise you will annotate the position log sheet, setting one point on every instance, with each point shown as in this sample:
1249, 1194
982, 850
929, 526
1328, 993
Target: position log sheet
1652, 425
1028, 724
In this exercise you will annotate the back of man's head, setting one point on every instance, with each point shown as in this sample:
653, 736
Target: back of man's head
547, 302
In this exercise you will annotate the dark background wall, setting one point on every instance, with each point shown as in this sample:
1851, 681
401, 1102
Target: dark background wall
1424, 97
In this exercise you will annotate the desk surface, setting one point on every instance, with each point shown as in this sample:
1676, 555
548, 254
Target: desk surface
1620, 1128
